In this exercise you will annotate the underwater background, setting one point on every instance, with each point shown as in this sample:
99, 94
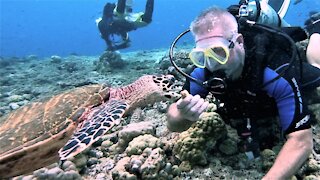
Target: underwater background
51, 47
63, 27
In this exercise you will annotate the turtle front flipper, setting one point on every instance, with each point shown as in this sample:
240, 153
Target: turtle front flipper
93, 128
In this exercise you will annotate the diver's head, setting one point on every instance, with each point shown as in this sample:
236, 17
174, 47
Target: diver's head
219, 46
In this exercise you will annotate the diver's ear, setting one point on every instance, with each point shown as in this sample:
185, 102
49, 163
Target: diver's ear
239, 39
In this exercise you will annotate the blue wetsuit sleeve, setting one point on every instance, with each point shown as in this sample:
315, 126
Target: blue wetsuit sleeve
195, 88
289, 101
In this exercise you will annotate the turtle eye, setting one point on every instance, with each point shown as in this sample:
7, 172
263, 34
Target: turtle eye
172, 81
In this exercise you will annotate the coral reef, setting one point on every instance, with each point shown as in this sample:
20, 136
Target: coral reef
109, 60
193, 144
138, 144
142, 147
182, 60
146, 160
54, 172
56, 59
137, 116
131, 131
267, 158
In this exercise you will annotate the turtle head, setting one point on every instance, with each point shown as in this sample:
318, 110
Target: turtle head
168, 85
148, 89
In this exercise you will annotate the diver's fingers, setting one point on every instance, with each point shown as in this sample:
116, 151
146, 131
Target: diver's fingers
194, 113
198, 110
195, 108
203, 107
183, 102
191, 112
195, 99
192, 116
184, 93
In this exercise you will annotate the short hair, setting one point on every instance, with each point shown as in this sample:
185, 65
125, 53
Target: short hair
211, 18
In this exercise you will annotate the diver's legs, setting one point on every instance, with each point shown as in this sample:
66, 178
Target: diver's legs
147, 17
123, 45
124, 36
121, 6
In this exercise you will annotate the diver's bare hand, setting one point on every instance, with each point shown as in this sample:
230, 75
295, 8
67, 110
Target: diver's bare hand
191, 107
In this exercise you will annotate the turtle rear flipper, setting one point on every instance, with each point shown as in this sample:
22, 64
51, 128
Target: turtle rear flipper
93, 128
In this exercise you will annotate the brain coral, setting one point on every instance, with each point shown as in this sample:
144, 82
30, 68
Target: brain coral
193, 144
146, 160
138, 144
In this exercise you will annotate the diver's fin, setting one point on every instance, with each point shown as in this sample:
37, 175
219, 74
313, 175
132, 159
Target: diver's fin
280, 6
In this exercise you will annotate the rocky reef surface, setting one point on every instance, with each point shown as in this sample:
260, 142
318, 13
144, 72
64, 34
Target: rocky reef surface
141, 147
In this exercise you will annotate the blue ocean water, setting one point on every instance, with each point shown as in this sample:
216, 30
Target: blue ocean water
63, 27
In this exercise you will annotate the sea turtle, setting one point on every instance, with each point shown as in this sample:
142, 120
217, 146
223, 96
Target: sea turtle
31, 136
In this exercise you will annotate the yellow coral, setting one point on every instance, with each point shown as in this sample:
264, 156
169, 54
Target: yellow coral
138, 144
193, 143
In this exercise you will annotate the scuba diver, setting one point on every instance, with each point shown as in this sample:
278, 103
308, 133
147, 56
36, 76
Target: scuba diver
118, 20
254, 70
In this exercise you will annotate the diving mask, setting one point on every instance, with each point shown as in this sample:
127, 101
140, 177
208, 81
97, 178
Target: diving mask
219, 51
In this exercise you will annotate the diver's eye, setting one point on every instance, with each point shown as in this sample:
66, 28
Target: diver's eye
219, 51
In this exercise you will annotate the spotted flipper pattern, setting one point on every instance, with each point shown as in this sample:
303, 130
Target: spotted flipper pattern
97, 124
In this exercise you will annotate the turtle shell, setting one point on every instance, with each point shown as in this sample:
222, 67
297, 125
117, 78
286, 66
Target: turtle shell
32, 135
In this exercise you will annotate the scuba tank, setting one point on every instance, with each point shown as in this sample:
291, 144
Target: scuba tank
260, 12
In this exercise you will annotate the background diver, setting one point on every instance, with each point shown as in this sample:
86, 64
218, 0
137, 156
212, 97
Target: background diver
118, 20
